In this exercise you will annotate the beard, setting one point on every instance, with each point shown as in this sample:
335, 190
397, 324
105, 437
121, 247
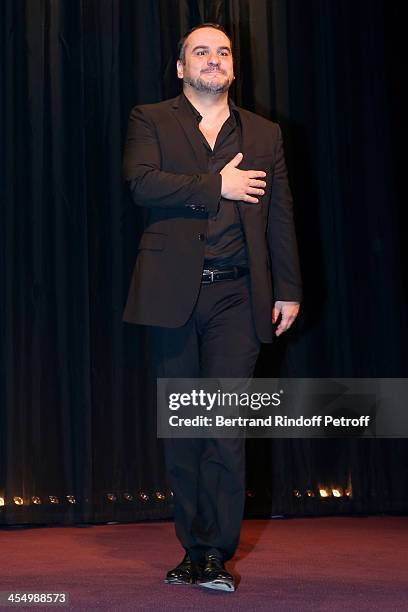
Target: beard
210, 87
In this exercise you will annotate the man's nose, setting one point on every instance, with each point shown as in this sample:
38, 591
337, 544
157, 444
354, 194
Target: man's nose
213, 59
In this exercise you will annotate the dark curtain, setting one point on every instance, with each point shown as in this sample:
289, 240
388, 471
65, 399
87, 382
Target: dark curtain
77, 414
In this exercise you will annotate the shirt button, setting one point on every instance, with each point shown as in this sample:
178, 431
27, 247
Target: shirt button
201, 237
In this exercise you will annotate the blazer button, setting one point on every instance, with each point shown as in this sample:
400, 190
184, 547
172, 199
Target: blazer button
201, 237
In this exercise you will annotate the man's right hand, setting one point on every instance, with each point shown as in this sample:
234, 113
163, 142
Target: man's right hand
241, 184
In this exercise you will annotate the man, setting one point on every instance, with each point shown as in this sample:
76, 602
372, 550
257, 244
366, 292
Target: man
213, 179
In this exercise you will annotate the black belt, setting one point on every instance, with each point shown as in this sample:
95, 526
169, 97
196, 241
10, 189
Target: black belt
213, 275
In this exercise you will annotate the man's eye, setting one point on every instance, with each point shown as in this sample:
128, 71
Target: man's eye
224, 53
200, 52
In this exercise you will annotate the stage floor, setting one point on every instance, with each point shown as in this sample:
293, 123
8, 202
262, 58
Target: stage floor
332, 563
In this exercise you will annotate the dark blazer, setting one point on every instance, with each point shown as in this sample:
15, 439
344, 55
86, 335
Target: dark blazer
165, 166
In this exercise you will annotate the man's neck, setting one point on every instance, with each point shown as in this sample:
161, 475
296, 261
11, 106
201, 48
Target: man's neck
210, 106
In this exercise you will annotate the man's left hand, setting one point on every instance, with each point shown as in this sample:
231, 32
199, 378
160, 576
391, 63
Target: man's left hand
288, 312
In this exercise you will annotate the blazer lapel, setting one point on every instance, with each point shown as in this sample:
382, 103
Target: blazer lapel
248, 138
190, 128
246, 210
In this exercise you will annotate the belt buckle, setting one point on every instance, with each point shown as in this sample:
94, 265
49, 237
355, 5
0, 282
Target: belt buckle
211, 273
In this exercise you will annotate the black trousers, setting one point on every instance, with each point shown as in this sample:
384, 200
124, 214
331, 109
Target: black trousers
207, 476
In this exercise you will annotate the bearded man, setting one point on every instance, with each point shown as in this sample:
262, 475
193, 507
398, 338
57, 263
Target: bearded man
217, 274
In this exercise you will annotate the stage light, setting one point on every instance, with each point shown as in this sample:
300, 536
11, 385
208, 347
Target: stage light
1, 501
250, 494
144, 496
309, 493
160, 495
53, 499
36, 500
71, 499
297, 493
128, 496
18, 500
348, 492
111, 497
324, 492
337, 492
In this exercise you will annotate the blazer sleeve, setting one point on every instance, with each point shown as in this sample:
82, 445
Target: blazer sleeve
281, 233
149, 185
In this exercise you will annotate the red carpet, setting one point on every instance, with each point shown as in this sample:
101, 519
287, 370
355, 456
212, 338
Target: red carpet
323, 564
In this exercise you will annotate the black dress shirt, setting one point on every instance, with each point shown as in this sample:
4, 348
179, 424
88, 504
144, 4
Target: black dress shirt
225, 239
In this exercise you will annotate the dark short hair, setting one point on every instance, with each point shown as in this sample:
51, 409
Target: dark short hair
182, 42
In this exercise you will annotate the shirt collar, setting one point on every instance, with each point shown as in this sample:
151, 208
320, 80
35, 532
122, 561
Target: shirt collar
196, 113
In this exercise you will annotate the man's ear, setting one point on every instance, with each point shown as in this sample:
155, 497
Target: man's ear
180, 69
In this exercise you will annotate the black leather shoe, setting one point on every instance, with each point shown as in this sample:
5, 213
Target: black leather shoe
185, 573
213, 575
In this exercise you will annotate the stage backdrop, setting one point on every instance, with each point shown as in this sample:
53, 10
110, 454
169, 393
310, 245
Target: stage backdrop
77, 393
